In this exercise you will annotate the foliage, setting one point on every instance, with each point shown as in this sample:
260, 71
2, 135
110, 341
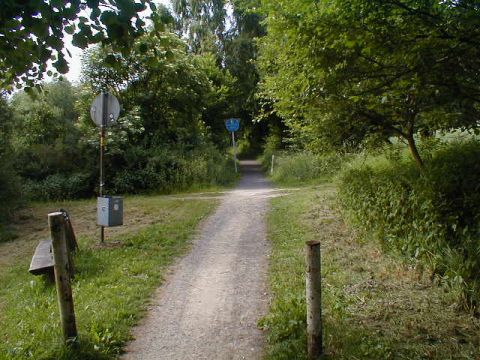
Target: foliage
45, 117
203, 22
9, 188
173, 91
167, 170
172, 106
272, 146
305, 167
59, 187
431, 218
227, 30
339, 70
373, 307
50, 158
33, 32
112, 288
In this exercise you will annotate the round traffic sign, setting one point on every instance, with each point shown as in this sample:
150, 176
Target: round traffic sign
112, 109
232, 124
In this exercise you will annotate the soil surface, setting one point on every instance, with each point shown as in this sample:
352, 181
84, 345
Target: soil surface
213, 298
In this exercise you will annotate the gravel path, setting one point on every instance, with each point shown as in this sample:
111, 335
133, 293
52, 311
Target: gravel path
210, 304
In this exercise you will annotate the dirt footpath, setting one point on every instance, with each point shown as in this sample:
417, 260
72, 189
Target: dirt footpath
210, 304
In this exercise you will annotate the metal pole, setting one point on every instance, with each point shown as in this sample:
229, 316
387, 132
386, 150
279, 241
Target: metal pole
271, 169
314, 300
234, 150
102, 153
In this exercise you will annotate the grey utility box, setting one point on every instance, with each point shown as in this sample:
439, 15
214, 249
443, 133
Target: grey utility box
110, 211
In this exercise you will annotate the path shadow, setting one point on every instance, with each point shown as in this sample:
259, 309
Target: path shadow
252, 177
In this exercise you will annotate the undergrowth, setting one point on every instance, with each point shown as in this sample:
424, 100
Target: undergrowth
431, 217
374, 307
303, 167
110, 291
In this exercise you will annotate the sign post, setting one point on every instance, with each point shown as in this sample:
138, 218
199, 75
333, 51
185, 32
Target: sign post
232, 125
104, 111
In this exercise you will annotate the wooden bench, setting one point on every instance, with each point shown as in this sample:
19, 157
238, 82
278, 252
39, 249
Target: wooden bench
42, 260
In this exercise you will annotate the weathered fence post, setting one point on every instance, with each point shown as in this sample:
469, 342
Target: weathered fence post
273, 160
71, 241
56, 222
314, 300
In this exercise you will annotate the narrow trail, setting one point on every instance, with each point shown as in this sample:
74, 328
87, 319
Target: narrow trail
210, 304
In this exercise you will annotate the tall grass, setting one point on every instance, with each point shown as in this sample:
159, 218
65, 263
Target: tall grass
304, 167
373, 306
430, 217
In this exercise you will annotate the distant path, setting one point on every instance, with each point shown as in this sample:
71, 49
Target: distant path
210, 305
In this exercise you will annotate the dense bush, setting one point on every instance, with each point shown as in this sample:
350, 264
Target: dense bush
166, 170
9, 188
431, 216
59, 187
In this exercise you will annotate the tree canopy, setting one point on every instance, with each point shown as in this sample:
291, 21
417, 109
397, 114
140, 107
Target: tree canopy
339, 70
33, 33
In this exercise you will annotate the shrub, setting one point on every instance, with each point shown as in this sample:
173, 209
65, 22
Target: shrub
59, 187
167, 170
9, 190
431, 217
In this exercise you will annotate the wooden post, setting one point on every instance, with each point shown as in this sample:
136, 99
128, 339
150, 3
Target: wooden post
314, 300
56, 222
71, 239
271, 169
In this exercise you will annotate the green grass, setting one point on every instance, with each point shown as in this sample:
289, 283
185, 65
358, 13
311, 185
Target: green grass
302, 168
430, 217
374, 306
111, 289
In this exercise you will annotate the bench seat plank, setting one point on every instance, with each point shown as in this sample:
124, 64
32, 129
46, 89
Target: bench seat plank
42, 261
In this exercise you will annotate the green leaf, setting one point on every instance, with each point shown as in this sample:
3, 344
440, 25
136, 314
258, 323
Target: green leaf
70, 29
61, 65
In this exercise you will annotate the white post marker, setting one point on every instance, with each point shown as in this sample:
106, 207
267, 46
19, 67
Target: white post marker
232, 125
273, 160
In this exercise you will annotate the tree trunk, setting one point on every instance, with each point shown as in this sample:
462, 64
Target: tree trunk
412, 146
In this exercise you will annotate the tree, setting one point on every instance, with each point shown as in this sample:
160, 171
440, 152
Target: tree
228, 30
9, 188
33, 32
203, 22
394, 68
44, 135
174, 103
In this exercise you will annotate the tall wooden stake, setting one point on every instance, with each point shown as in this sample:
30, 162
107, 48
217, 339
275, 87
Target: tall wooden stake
314, 300
56, 222
273, 160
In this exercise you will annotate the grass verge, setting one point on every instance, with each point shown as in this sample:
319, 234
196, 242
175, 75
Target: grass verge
113, 285
374, 306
